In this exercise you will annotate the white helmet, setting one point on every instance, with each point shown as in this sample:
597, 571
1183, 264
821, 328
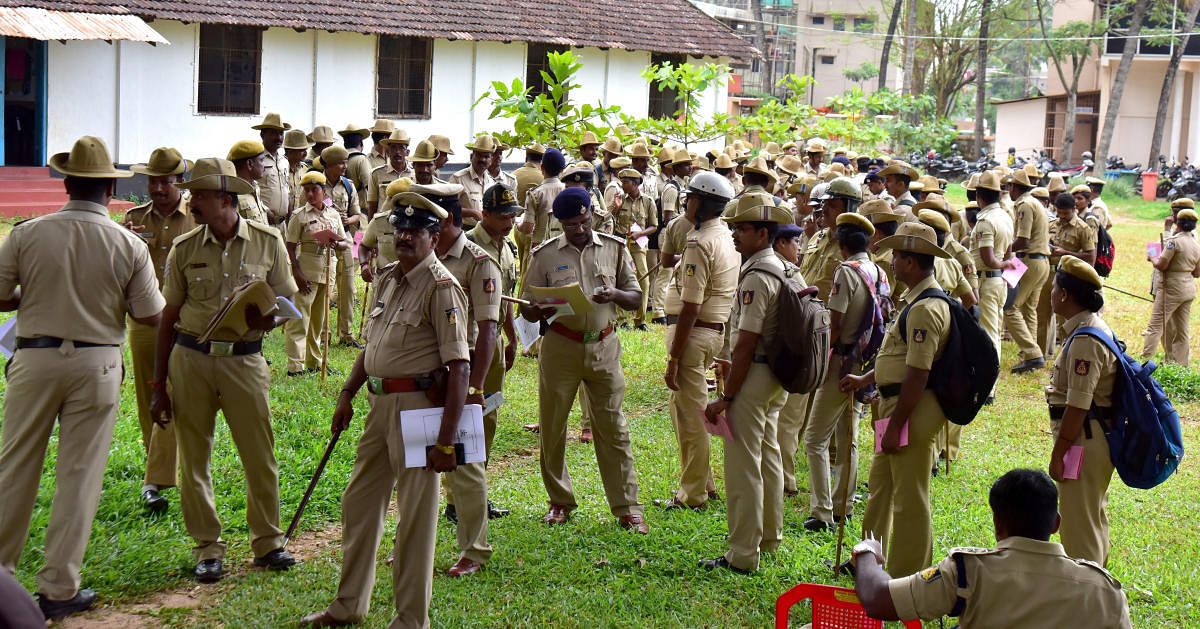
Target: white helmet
711, 184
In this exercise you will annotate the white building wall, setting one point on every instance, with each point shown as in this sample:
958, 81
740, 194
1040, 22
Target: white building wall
1021, 125
80, 97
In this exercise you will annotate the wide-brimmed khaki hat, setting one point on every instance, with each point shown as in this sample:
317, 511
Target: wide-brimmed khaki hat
791, 164
772, 148
350, 128
587, 138
383, 126
724, 161
938, 203
902, 169
425, 152
536, 148
914, 237
1056, 184
879, 211
1021, 178
1032, 171
163, 162
441, 143
971, 182
929, 183
484, 144
272, 121
802, 184
245, 150
817, 145
612, 144
665, 155
1040, 193
788, 145
638, 149
295, 139
758, 165
759, 206
680, 156
214, 173
617, 163
88, 158
321, 135
398, 136
934, 219
988, 180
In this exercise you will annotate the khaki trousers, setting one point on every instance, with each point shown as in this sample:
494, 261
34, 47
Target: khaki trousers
1047, 325
992, 292
563, 365
754, 470
159, 442
829, 421
237, 386
1083, 502
899, 486
345, 295
466, 489
1022, 318
949, 441
522, 240
304, 336
378, 467
81, 389
687, 405
658, 290
1169, 318
640, 266
793, 418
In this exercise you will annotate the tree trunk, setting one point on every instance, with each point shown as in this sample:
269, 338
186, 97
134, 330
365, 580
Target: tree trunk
910, 46
1168, 84
1118, 85
981, 74
897, 5
1069, 128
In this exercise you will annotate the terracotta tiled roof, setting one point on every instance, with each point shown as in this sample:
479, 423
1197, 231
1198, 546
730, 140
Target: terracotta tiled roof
670, 26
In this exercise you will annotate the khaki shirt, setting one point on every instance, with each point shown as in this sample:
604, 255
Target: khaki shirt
346, 203
358, 169
602, 219
1182, 253
473, 185
949, 275
202, 272
381, 177
309, 253
709, 270
1022, 582
605, 261
160, 231
297, 190
966, 263
811, 257
274, 190
1100, 209
992, 229
672, 242
614, 196
1076, 235
527, 177
1032, 224
416, 324
250, 207
826, 259
755, 307
79, 274
479, 276
671, 193
928, 328
381, 236
1083, 373
849, 295
504, 255
883, 259
504, 177
539, 203
376, 158
640, 211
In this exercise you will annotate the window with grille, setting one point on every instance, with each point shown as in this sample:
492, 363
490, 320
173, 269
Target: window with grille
818, 19
864, 25
662, 103
230, 67
827, 60
403, 71
839, 23
535, 63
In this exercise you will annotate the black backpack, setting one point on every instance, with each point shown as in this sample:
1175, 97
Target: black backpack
799, 351
962, 379
1106, 249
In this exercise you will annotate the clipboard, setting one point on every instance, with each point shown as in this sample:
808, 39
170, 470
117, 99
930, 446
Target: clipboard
570, 295
230, 321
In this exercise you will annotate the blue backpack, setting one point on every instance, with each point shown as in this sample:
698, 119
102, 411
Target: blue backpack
1145, 440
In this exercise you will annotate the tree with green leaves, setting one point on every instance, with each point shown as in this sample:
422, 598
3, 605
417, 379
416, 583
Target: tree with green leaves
1069, 46
1186, 24
1137, 17
688, 81
865, 71
779, 120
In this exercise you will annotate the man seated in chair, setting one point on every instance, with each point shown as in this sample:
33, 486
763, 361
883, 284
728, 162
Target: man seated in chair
1025, 581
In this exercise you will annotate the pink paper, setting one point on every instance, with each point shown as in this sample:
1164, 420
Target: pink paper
1013, 275
357, 241
1072, 462
881, 427
642, 242
1154, 249
722, 428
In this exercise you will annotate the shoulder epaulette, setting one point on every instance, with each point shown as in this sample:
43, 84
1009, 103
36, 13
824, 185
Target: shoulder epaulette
612, 238
266, 229
972, 550
1091, 564
544, 243
189, 234
478, 252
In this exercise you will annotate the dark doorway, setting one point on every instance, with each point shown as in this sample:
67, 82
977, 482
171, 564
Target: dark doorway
24, 107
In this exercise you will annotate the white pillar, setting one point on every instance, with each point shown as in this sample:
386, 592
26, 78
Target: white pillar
1173, 151
1193, 142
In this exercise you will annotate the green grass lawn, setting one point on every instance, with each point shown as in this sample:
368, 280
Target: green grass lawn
589, 572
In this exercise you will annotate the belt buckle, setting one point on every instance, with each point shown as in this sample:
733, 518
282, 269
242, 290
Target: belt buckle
375, 385
591, 336
220, 348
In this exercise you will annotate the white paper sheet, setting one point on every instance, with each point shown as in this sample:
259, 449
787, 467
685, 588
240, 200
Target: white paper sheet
8, 337
285, 309
420, 427
492, 402
527, 332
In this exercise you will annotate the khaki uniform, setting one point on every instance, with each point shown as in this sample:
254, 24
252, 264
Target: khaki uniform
381, 236
80, 273
811, 259
471, 197
709, 279
346, 202
564, 364
376, 158
539, 202
899, 483
409, 334
852, 297
1083, 377
381, 177
158, 232
992, 229
251, 207
1173, 303
904, 203
1073, 236
1021, 318
527, 177
1022, 582
826, 257
274, 191
479, 276
670, 195
965, 262
1100, 209
502, 253
305, 336
201, 273
640, 212
673, 241
296, 191
753, 467
358, 169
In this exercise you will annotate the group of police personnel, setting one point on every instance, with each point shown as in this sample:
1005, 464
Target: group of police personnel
701, 243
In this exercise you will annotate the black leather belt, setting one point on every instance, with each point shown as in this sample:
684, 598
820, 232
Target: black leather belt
1103, 413
989, 273
1032, 256
219, 348
674, 319
889, 390
42, 342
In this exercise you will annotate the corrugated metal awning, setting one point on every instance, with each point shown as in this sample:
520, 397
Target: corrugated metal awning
62, 25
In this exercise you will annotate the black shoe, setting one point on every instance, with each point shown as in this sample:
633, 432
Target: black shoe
817, 526
989, 400
350, 343
452, 514
208, 570
53, 610
933, 472
837, 519
721, 562
496, 512
1029, 365
153, 502
846, 567
643, 327
302, 372
278, 559
659, 320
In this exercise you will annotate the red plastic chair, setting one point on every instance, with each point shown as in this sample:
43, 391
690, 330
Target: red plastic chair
833, 608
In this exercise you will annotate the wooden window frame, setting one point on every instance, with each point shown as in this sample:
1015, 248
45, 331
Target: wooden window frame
535, 61
415, 64
662, 104
224, 85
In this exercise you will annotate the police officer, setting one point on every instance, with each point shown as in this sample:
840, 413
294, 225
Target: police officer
377, 248
1031, 244
358, 165
1069, 235
840, 196
380, 131
637, 209
227, 374
706, 288
528, 176
951, 243
314, 272
157, 222
295, 148
275, 196
896, 178
249, 160
793, 417
72, 276
581, 348
397, 166
1019, 583
1179, 265
538, 222
420, 296
752, 395
344, 195
899, 481
670, 206
1080, 397
423, 160
474, 179
990, 239
1099, 207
